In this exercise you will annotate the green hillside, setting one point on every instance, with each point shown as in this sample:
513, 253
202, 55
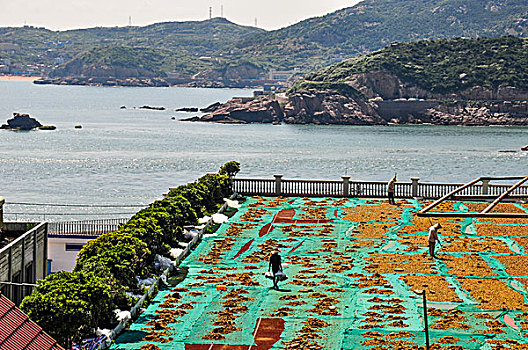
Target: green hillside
134, 61
373, 24
29, 45
441, 66
311, 44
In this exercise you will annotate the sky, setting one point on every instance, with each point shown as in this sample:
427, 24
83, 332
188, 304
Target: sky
72, 14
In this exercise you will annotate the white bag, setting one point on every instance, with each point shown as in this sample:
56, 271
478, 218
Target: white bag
281, 276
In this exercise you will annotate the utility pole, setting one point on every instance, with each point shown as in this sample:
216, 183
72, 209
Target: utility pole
210, 12
129, 21
222, 11
256, 22
422, 293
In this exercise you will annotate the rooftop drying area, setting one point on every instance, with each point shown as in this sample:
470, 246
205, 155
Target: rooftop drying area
352, 265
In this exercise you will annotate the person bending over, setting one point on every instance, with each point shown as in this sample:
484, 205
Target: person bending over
433, 237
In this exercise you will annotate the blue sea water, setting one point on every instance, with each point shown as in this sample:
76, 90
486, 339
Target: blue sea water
127, 156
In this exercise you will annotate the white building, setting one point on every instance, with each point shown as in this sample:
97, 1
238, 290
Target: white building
63, 250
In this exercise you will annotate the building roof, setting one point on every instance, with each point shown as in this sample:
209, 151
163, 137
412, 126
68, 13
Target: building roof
18, 332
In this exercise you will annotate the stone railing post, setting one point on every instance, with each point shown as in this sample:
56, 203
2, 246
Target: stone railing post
485, 187
278, 187
346, 185
415, 186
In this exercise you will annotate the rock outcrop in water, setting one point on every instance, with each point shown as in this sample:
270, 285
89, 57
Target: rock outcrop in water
21, 121
243, 110
327, 107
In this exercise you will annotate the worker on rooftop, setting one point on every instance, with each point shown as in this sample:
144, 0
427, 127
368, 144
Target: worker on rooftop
390, 190
275, 266
433, 237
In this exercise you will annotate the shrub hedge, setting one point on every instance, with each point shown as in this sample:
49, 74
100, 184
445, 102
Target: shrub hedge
70, 305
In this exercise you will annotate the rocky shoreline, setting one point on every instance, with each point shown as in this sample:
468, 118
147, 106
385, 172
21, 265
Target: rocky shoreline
352, 107
128, 82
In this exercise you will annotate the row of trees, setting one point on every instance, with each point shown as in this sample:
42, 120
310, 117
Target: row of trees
71, 305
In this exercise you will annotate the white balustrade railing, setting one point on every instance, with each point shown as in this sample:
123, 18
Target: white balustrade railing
363, 189
85, 227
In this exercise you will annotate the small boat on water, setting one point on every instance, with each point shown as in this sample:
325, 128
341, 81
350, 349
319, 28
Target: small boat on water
525, 148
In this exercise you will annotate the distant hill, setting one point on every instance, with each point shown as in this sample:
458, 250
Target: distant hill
46, 48
136, 62
373, 24
236, 51
447, 66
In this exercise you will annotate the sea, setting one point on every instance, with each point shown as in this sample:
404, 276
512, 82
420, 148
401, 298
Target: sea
124, 158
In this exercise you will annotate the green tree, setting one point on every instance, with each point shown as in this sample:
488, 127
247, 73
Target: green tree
124, 255
230, 168
69, 305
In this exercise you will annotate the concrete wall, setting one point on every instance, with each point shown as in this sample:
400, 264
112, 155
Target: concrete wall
62, 259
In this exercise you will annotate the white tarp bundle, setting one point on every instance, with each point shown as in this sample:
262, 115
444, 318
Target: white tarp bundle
220, 218
232, 204
175, 252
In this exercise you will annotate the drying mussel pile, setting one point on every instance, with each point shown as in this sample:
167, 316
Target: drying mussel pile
493, 294
341, 264
310, 202
216, 276
449, 319
233, 308
452, 226
516, 265
507, 221
304, 261
276, 202
494, 327
317, 213
499, 208
305, 336
236, 229
325, 305
437, 287
468, 265
364, 281
264, 251
389, 263
390, 341
254, 215
325, 231
446, 206
522, 241
413, 242
149, 346
474, 245
388, 215
504, 344
384, 312
217, 251
371, 230
282, 311
298, 230
502, 230
169, 311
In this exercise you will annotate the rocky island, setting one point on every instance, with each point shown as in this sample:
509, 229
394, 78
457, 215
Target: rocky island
446, 82
21, 121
